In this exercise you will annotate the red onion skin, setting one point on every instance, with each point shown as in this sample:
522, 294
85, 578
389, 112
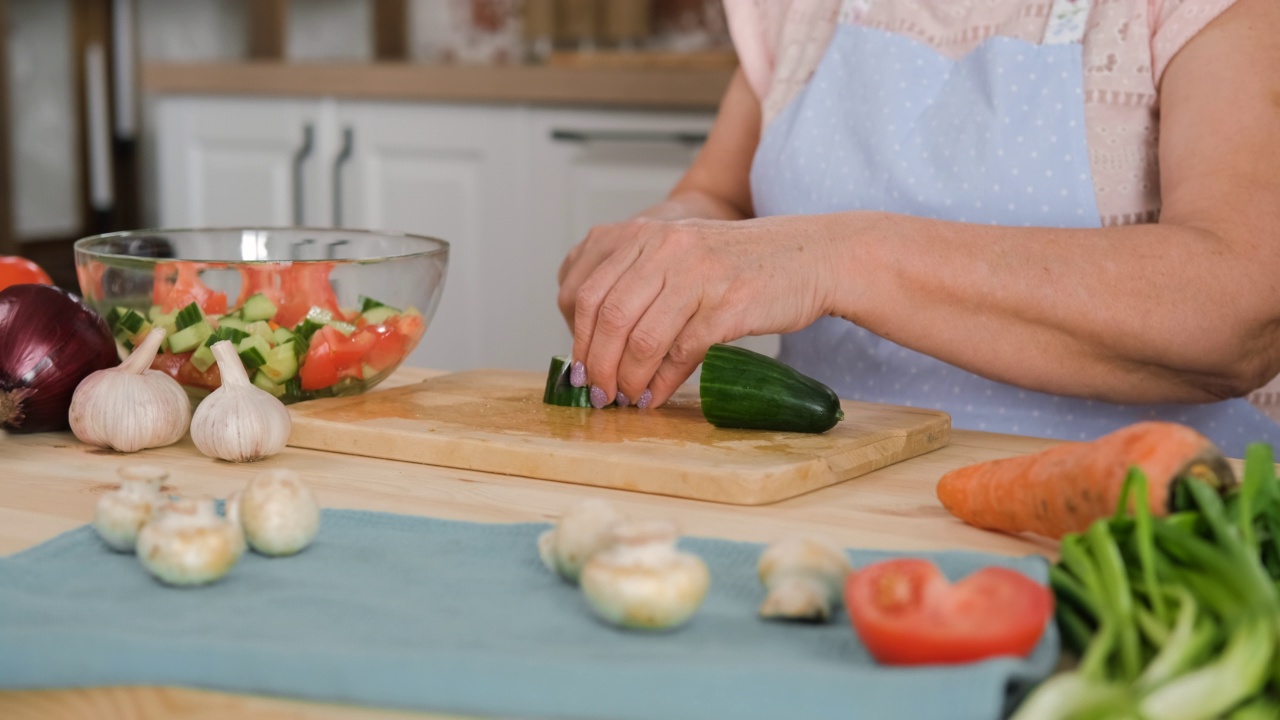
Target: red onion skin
50, 340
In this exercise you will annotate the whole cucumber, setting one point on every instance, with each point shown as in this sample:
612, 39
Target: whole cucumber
744, 389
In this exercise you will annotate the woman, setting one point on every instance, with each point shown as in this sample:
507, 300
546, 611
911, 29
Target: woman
1046, 217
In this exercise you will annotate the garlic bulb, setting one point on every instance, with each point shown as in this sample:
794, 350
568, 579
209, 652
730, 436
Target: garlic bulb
188, 543
805, 578
581, 533
239, 422
122, 513
131, 407
642, 581
279, 514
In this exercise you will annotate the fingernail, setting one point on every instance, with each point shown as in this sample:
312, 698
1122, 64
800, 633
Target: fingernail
645, 398
621, 399
578, 375
598, 398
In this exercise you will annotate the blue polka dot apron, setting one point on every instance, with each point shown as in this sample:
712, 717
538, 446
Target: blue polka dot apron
998, 136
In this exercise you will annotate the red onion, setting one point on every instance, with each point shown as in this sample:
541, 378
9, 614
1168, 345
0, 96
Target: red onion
49, 341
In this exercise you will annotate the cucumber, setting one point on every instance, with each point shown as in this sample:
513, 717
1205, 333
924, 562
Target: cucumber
744, 389
253, 352
190, 338
559, 391
368, 303
129, 321
281, 364
258, 307
379, 315
307, 328
282, 336
188, 316
262, 381
202, 359
225, 332
343, 327
260, 329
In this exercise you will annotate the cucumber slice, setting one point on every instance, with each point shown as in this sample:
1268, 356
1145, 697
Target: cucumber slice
202, 359
368, 303
188, 316
559, 391
230, 321
343, 327
131, 322
261, 329
379, 315
262, 381
281, 364
190, 338
253, 352
258, 307
744, 389
234, 335
282, 336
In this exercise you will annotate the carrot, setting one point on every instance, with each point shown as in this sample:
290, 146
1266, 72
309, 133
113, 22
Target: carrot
1065, 488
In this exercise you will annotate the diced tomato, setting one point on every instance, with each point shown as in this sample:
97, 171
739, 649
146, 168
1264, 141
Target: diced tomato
411, 327
179, 367
178, 284
388, 346
264, 278
305, 285
347, 351
907, 613
21, 271
90, 275
318, 370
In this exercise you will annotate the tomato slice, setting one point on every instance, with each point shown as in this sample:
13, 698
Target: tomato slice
21, 271
318, 369
179, 367
178, 284
907, 613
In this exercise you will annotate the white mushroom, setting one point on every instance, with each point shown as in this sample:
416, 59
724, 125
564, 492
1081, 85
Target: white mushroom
188, 543
642, 581
580, 534
122, 513
278, 512
805, 578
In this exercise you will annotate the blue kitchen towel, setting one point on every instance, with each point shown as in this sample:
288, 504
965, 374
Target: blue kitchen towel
459, 617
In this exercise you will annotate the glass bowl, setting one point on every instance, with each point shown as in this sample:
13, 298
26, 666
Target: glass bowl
313, 313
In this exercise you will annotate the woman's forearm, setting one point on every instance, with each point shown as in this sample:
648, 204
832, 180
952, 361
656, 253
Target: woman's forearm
1152, 313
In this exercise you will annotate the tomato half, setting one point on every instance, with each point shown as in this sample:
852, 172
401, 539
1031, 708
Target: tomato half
21, 271
907, 613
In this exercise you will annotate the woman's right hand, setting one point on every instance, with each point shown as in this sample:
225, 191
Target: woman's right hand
599, 245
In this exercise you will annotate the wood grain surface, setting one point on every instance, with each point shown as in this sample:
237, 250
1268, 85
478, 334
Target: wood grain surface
495, 421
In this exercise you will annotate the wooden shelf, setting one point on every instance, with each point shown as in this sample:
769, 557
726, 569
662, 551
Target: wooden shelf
680, 88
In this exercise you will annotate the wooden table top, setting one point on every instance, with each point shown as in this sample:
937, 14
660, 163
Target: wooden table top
49, 483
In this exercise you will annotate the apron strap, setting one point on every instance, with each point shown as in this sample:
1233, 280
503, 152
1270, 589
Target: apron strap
1067, 22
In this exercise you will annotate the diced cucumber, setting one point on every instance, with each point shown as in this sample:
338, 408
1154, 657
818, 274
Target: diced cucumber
230, 321
282, 336
282, 363
262, 381
190, 338
131, 322
155, 313
307, 328
379, 315
320, 315
114, 315
300, 347
411, 310
368, 371
188, 316
137, 338
234, 335
258, 307
202, 359
368, 303
261, 329
342, 327
253, 352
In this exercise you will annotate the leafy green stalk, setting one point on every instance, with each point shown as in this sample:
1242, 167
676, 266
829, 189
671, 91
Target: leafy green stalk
1117, 597
1215, 688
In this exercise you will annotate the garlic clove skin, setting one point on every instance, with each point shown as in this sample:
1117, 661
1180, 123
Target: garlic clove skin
278, 512
188, 543
239, 422
805, 578
122, 513
642, 581
131, 407
582, 532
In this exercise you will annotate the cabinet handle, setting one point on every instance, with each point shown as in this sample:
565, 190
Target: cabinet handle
299, 158
629, 136
348, 140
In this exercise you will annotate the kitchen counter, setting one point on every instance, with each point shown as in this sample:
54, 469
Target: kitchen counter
49, 483
697, 88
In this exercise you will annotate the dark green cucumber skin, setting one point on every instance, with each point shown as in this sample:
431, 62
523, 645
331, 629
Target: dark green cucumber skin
744, 389
559, 391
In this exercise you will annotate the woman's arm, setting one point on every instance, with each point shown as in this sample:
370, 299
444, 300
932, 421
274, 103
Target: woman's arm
1184, 310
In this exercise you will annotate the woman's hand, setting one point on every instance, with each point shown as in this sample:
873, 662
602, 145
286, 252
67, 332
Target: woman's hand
648, 297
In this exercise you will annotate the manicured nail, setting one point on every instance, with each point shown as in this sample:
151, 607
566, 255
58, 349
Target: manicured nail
578, 375
598, 398
645, 398
621, 399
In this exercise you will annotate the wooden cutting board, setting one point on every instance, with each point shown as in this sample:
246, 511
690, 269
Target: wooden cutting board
495, 421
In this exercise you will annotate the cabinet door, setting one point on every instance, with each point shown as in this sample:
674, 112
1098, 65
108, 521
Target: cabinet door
229, 162
452, 172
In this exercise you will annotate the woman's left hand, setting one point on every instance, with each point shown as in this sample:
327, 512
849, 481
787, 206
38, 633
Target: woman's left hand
645, 317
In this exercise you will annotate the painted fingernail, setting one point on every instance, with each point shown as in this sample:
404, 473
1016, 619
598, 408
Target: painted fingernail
598, 398
578, 375
645, 399
621, 399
